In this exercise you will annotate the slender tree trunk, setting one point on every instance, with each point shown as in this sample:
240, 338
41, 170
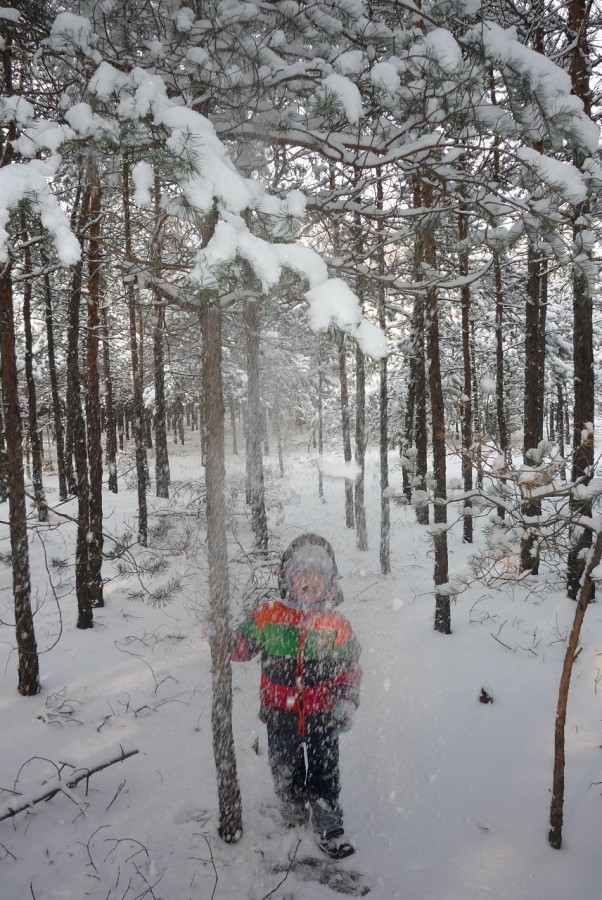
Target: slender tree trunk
408, 434
77, 428
579, 12
383, 401
29, 682
441, 574
466, 403
57, 412
585, 596
162, 473
3, 457
320, 418
560, 424
34, 430
255, 456
230, 808
233, 424
360, 451
79, 219
95, 535
499, 357
420, 384
111, 412
346, 427
277, 418
140, 445
344, 388
533, 402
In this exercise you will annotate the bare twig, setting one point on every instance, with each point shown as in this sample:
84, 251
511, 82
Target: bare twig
46, 792
286, 874
211, 859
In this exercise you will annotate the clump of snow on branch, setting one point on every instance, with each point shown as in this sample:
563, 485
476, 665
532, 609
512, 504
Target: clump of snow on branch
348, 95
334, 303
143, 177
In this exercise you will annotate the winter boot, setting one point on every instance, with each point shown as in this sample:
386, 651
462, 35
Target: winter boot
294, 813
334, 843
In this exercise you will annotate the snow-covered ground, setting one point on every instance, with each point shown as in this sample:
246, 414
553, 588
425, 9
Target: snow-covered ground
446, 798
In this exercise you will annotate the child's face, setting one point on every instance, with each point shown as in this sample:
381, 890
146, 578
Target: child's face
308, 586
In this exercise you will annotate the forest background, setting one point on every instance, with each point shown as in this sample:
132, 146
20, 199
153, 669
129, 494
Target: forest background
185, 187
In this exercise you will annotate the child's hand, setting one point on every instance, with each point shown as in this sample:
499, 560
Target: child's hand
343, 715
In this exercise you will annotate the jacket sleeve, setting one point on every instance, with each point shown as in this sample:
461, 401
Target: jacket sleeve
349, 675
247, 640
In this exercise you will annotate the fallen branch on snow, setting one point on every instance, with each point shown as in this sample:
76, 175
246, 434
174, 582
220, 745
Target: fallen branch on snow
19, 802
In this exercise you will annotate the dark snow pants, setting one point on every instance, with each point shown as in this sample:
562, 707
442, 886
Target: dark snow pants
297, 782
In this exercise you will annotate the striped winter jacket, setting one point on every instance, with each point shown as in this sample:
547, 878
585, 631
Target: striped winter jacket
309, 660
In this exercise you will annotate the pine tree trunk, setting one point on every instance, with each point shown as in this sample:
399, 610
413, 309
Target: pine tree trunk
3, 457
320, 418
441, 573
79, 219
344, 388
29, 682
95, 534
111, 412
499, 357
420, 383
162, 473
34, 430
533, 402
585, 596
360, 451
232, 408
230, 808
255, 456
466, 403
579, 12
383, 402
138, 401
407, 440
77, 430
345, 427
57, 412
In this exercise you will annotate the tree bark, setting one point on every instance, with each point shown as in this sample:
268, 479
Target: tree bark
420, 383
383, 404
75, 418
230, 807
499, 358
34, 431
320, 416
3, 458
360, 451
345, 427
29, 681
95, 534
162, 473
557, 804
466, 402
110, 409
441, 573
583, 353
254, 430
57, 411
533, 400
138, 401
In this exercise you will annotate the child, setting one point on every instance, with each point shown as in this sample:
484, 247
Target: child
309, 687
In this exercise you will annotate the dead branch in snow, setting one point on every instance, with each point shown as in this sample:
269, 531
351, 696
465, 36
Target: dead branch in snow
19, 802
